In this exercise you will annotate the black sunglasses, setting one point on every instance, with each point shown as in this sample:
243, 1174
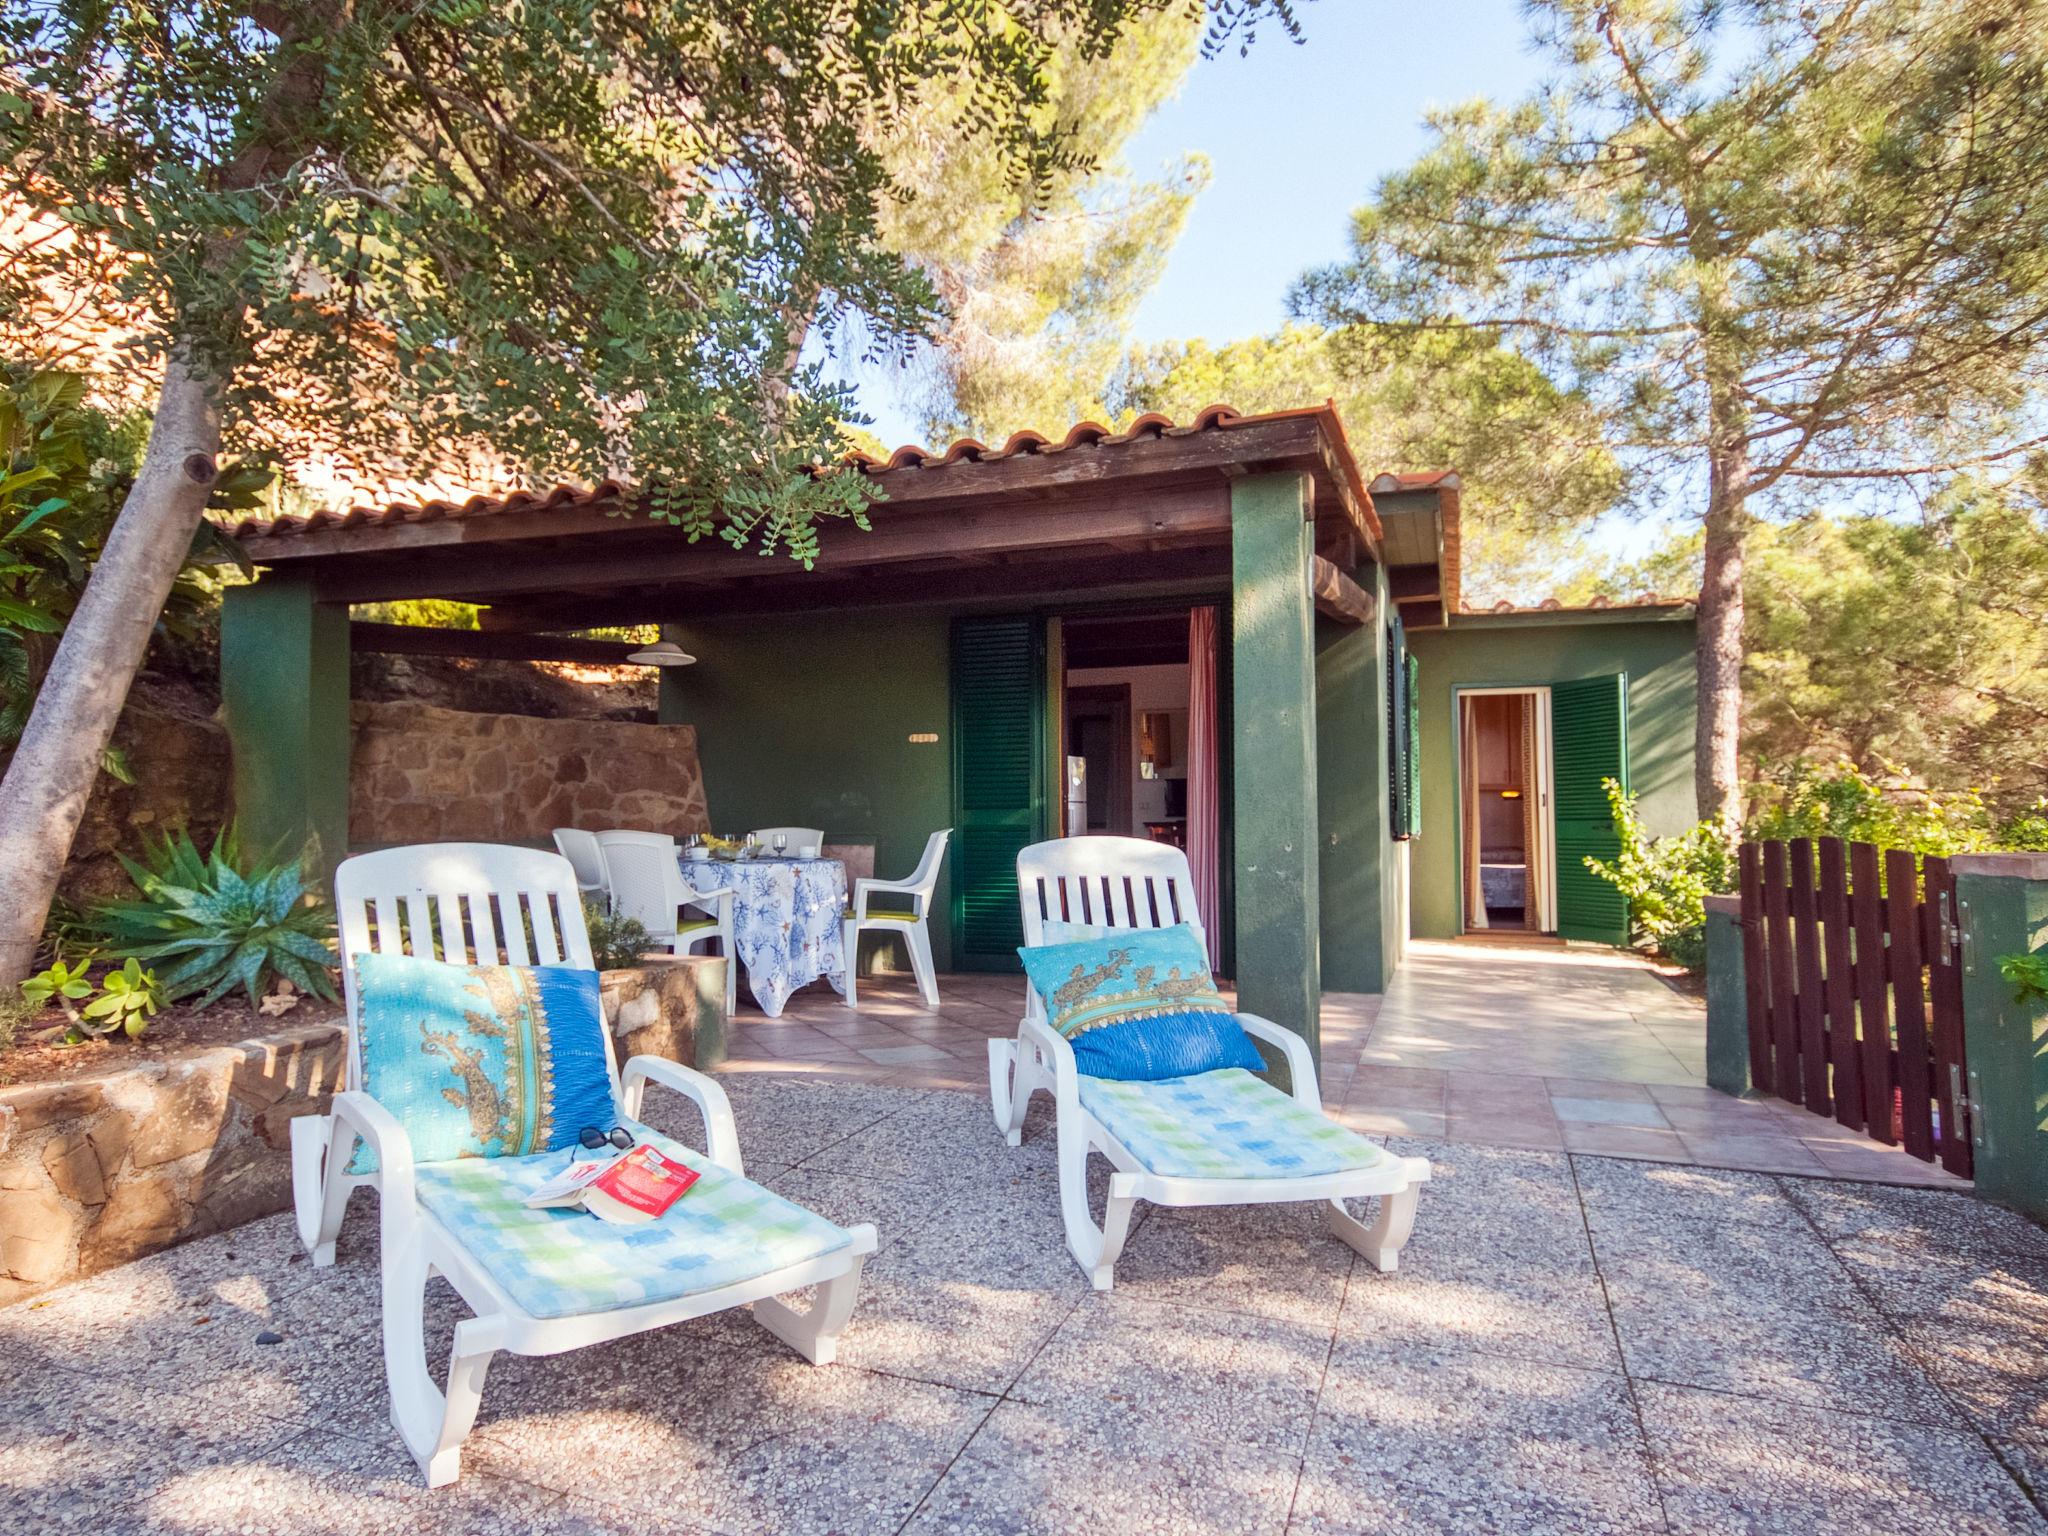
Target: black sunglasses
596, 1140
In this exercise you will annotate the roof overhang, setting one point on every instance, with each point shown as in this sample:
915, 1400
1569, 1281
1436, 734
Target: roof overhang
1420, 518
1151, 503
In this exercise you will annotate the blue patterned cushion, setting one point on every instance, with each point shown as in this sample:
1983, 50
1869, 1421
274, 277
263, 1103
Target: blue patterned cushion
1139, 1004
557, 1263
1224, 1125
481, 1060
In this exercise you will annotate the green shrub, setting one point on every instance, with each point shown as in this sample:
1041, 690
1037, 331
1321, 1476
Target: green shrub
61, 984
15, 1011
216, 924
617, 942
2026, 832
128, 1000
1805, 800
1666, 880
2027, 975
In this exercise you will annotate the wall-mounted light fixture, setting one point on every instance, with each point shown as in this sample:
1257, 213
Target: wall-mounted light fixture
923, 738
1511, 794
663, 653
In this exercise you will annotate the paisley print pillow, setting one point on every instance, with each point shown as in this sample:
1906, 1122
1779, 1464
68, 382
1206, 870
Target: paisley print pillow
1139, 1004
481, 1060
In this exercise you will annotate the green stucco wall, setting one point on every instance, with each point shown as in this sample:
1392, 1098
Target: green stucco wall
806, 721
1362, 915
1518, 650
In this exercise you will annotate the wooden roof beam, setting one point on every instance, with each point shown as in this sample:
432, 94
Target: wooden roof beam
1337, 595
1189, 513
1408, 582
419, 640
1024, 581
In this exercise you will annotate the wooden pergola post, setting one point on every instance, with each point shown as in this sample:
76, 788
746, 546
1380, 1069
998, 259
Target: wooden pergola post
284, 693
1273, 745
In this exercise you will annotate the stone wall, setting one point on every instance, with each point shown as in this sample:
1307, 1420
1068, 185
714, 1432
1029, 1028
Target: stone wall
419, 773
178, 758
103, 1169
100, 1170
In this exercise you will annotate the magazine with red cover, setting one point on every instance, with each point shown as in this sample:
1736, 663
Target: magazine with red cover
638, 1185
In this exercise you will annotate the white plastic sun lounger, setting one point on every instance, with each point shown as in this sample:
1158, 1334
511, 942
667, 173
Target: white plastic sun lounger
1219, 1138
539, 1284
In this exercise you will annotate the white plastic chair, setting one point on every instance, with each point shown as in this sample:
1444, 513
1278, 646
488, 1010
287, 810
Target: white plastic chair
1132, 883
586, 858
796, 837
914, 924
645, 883
483, 904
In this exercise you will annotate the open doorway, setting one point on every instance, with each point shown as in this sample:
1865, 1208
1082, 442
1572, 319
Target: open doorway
1123, 727
1509, 851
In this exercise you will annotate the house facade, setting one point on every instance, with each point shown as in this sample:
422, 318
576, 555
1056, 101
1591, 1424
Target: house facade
1220, 621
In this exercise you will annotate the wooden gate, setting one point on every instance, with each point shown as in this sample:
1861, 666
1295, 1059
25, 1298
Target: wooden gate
1852, 962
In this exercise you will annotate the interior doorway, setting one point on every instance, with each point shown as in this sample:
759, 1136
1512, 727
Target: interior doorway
1508, 835
1098, 719
1124, 724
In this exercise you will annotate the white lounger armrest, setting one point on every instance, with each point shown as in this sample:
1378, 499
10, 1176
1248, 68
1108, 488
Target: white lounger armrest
358, 1116
1301, 1063
719, 1129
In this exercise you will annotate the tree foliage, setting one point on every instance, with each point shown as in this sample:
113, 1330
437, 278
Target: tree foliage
1529, 453
1918, 642
1778, 244
595, 236
1914, 648
65, 467
1038, 281
591, 235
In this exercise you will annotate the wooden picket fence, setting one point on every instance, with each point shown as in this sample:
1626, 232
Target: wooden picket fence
1852, 962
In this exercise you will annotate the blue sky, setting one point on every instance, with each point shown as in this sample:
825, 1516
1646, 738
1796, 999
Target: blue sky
1296, 137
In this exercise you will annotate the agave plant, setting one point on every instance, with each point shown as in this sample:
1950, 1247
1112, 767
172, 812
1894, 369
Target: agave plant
208, 927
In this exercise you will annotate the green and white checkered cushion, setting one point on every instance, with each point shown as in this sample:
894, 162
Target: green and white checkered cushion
1225, 1124
726, 1230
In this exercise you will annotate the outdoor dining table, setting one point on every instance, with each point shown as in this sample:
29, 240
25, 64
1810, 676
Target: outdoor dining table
785, 916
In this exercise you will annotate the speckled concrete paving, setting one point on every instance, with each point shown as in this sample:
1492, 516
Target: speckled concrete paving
1574, 1344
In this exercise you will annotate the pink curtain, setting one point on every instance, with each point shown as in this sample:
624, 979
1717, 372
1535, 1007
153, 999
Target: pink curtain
1202, 771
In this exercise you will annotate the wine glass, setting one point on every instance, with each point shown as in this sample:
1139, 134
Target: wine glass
781, 843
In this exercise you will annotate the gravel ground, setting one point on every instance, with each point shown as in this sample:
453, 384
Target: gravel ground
1573, 1344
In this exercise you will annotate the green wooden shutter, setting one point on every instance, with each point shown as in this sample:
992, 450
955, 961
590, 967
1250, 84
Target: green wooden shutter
1588, 744
998, 782
1413, 699
1397, 729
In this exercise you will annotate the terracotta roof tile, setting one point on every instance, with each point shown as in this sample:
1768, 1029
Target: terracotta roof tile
909, 457
1591, 605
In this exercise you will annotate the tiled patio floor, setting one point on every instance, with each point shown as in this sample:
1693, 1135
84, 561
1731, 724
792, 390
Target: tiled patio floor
1574, 1344
1578, 1050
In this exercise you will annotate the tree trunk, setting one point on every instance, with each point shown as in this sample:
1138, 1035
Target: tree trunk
54, 769
1718, 640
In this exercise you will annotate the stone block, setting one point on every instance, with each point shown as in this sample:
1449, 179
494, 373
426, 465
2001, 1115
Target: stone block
671, 1007
244, 1182
38, 1235
421, 773
109, 1137
144, 1213
192, 1104
74, 1168
39, 1105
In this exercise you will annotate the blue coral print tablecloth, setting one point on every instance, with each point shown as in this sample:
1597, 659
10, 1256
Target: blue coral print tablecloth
785, 917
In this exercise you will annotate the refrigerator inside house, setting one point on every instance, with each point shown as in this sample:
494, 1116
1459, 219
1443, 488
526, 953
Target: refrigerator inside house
1077, 797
